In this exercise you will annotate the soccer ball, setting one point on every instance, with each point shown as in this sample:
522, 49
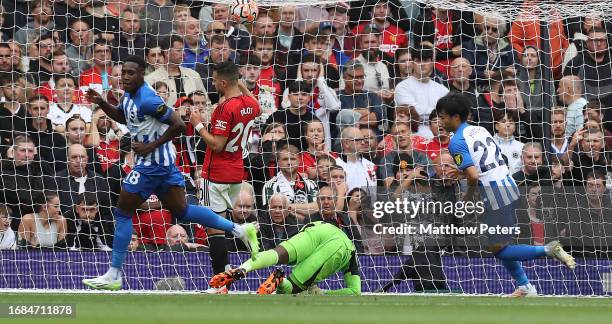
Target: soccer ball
244, 11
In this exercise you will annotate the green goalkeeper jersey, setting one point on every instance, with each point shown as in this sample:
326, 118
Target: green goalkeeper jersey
318, 251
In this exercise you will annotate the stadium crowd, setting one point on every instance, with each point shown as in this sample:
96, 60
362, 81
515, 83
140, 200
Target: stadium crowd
348, 94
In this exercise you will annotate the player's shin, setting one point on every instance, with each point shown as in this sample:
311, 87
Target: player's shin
206, 217
264, 259
521, 252
122, 238
218, 252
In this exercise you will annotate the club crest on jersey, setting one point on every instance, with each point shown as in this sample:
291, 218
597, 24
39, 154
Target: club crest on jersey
221, 124
458, 158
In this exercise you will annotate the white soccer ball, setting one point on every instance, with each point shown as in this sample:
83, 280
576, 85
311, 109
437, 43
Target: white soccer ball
244, 11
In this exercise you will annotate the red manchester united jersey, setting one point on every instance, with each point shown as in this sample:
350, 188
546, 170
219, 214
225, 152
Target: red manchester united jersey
233, 119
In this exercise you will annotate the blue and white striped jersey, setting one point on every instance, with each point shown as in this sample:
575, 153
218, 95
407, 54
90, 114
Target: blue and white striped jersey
474, 146
146, 115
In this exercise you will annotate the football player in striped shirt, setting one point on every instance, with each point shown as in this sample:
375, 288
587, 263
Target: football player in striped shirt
152, 125
476, 154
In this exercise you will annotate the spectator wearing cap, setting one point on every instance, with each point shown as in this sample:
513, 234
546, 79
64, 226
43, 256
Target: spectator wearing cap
129, 41
445, 30
419, 90
490, 51
278, 223
98, 77
297, 114
343, 39
360, 172
181, 81
404, 151
196, 49
355, 97
323, 99
376, 72
393, 37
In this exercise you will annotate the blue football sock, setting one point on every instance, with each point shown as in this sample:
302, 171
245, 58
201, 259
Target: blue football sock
521, 252
206, 217
516, 271
122, 238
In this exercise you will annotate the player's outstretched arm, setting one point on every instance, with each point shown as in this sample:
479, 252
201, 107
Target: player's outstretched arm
353, 286
111, 111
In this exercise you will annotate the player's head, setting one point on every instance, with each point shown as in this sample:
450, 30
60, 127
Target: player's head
453, 110
225, 76
132, 73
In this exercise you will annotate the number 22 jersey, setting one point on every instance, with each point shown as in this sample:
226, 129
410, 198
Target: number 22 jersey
474, 146
234, 118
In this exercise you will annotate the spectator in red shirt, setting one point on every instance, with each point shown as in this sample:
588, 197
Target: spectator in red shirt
151, 223
393, 37
263, 48
98, 77
59, 65
115, 92
432, 147
315, 140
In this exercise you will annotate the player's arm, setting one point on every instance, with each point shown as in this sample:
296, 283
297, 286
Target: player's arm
169, 117
471, 175
215, 142
111, 111
352, 281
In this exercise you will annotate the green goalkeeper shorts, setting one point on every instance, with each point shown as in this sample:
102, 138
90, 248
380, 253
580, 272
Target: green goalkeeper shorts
321, 251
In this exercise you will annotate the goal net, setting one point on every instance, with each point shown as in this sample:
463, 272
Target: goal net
348, 134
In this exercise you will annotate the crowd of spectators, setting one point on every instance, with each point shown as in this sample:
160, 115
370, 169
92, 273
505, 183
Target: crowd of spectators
348, 94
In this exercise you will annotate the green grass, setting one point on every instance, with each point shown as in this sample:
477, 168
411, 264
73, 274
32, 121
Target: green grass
247, 309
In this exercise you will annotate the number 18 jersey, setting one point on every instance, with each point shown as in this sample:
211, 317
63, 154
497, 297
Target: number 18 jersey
474, 146
234, 118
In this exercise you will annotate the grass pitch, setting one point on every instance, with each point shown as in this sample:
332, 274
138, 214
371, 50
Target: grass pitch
246, 309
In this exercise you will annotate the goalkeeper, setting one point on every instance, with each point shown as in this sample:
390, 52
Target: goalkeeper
318, 251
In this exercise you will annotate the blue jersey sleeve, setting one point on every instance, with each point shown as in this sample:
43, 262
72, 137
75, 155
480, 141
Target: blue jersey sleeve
459, 150
154, 106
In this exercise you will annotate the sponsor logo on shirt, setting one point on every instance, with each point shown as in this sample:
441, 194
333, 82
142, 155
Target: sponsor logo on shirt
221, 124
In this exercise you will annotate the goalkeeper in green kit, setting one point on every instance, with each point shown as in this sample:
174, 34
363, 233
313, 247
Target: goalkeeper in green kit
318, 251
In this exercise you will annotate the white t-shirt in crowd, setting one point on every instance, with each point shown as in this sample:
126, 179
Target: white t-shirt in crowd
59, 117
423, 96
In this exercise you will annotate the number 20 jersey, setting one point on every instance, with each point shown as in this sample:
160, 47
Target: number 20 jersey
234, 118
474, 146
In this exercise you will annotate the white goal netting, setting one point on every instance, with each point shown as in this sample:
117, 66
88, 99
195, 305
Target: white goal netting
537, 73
